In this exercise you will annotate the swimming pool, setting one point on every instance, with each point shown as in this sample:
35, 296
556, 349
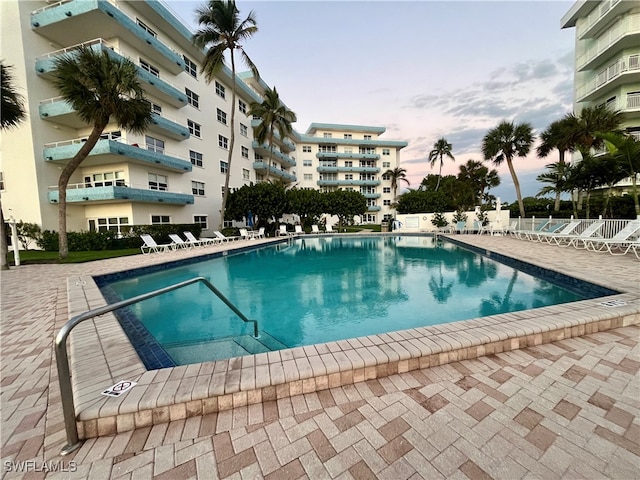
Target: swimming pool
315, 290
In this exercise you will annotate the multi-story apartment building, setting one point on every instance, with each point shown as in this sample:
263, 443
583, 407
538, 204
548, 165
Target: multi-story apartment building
607, 58
349, 157
175, 171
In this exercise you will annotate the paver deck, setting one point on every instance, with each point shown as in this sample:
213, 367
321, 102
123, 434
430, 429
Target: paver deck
562, 409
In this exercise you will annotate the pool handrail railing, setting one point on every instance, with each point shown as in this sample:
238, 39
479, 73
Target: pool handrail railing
62, 358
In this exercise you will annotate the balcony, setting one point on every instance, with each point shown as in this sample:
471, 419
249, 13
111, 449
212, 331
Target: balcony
79, 193
622, 71
371, 195
284, 144
168, 127
265, 152
600, 16
154, 85
356, 156
108, 151
286, 177
337, 183
628, 105
73, 21
623, 34
374, 208
356, 169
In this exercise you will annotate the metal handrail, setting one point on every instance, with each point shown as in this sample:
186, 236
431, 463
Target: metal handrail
62, 359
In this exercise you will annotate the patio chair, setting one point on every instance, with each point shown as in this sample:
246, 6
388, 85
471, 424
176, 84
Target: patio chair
299, 230
534, 236
328, 229
461, 227
621, 242
315, 229
523, 234
567, 230
282, 231
179, 243
577, 241
259, 233
199, 242
223, 238
150, 245
246, 235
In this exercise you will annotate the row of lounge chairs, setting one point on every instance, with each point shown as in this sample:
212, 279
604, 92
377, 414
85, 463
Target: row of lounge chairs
590, 237
151, 246
283, 232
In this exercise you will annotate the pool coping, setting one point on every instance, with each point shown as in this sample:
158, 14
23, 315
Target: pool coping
180, 392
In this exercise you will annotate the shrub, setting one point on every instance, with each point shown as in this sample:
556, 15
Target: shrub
438, 220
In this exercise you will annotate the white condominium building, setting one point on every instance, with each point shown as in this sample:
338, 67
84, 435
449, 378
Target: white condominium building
349, 157
175, 171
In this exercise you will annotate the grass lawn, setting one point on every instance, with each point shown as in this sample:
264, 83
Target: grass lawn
38, 256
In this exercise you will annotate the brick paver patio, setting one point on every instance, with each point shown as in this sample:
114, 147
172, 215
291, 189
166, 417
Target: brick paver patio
567, 409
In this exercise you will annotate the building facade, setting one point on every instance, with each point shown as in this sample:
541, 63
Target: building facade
175, 171
607, 58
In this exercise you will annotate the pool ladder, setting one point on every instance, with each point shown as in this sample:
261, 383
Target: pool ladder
62, 358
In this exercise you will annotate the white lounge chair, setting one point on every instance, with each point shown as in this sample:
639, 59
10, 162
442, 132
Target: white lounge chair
246, 235
567, 230
578, 241
223, 238
282, 231
150, 245
299, 230
328, 228
522, 234
259, 233
550, 230
621, 242
200, 242
315, 229
179, 243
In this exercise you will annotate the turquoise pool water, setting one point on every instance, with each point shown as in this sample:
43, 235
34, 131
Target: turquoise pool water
316, 290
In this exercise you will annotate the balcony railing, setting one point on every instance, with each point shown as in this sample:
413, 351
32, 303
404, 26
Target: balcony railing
356, 169
265, 152
356, 156
626, 26
260, 166
595, 15
119, 190
630, 63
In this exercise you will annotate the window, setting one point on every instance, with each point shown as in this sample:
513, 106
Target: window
307, 163
348, 163
386, 202
222, 116
155, 108
160, 219
223, 142
245, 152
386, 189
242, 106
306, 149
386, 177
327, 135
150, 68
146, 28
244, 131
367, 150
158, 182
197, 188
370, 218
367, 137
347, 136
245, 174
194, 128
371, 202
386, 151
257, 156
308, 176
190, 66
349, 189
348, 176
105, 179
154, 144
193, 98
224, 166
201, 220
220, 90
196, 158
386, 164
115, 224
327, 148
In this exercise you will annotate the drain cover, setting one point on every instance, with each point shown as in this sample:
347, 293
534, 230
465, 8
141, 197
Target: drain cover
613, 303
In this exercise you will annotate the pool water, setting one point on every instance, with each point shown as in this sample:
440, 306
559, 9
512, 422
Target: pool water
315, 290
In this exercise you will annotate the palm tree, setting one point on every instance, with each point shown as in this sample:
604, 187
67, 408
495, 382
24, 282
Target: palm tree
626, 150
275, 116
441, 149
505, 142
396, 175
558, 135
556, 179
221, 30
12, 112
582, 128
101, 90
479, 177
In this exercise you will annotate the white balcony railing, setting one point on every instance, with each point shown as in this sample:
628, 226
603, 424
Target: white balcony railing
622, 65
89, 43
625, 26
114, 183
596, 14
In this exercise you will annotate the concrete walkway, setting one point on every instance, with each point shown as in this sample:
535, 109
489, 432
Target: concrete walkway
567, 409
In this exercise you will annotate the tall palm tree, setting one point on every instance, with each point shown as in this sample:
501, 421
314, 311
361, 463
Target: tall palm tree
592, 120
396, 175
626, 150
479, 177
505, 142
275, 116
558, 135
555, 179
12, 112
222, 30
441, 149
101, 90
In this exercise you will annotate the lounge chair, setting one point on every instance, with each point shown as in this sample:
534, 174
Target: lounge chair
199, 242
315, 229
223, 238
328, 229
524, 234
567, 230
460, 227
150, 245
259, 233
578, 241
299, 230
179, 243
282, 231
550, 230
622, 241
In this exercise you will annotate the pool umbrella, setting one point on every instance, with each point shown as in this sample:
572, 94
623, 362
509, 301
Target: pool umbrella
498, 208
250, 219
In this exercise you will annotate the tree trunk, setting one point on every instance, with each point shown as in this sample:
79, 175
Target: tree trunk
232, 139
588, 203
4, 250
556, 206
270, 152
439, 174
634, 190
516, 184
63, 181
